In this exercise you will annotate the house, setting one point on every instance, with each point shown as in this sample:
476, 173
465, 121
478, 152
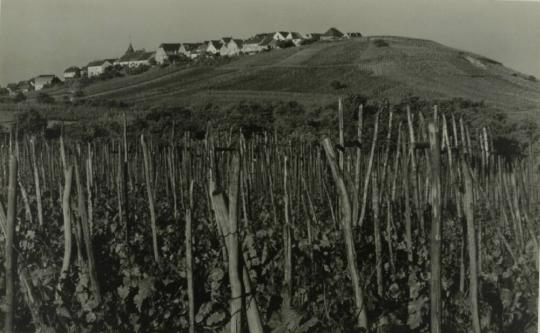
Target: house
333, 34
192, 50
72, 73
296, 37
313, 36
213, 46
26, 86
132, 58
201, 49
257, 43
269, 43
98, 67
42, 81
167, 52
280, 35
354, 34
13, 89
273, 44
232, 48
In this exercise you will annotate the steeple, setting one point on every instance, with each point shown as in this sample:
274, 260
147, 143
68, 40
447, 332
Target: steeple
130, 49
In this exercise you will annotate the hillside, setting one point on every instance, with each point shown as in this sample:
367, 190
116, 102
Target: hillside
402, 68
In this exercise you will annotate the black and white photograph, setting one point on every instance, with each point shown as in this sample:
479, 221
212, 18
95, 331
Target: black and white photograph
269, 166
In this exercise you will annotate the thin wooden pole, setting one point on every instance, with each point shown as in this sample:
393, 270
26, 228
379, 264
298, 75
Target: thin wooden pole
189, 261
471, 242
150, 194
287, 243
435, 258
346, 222
368, 171
81, 199
36, 181
11, 259
67, 222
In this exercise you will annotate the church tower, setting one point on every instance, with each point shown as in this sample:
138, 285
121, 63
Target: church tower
130, 49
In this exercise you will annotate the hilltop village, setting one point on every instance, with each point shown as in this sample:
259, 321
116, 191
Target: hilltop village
137, 61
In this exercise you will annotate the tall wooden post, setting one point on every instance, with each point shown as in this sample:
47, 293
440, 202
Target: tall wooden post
36, 181
346, 223
471, 242
189, 261
287, 243
435, 289
11, 259
150, 193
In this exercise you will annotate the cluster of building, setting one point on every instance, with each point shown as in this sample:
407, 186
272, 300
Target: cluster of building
174, 52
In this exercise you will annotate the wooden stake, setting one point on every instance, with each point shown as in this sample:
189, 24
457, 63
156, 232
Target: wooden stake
11, 259
150, 193
435, 258
471, 242
346, 222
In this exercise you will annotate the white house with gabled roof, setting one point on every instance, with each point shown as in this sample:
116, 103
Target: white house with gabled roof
98, 67
232, 48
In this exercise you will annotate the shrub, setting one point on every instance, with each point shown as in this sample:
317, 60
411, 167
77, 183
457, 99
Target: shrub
336, 84
20, 97
532, 78
44, 98
31, 122
308, 41
110, 73
380, 43
137, 70
283, 44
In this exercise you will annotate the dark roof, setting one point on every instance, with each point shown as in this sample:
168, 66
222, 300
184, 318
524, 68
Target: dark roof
201, 47
254, 40
99, 62
24, 84
72, 69
191, 46
259, 38
170, 47
296, 35
46, 76
136, 56
333, 32
217, 44
263, 35
266, 41
239, 42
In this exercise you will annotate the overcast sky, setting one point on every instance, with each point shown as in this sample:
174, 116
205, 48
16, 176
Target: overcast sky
47, 36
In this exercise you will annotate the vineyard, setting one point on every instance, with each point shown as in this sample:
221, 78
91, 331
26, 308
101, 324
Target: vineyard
402, 221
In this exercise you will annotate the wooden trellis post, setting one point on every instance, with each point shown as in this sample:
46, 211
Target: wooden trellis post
435, 258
